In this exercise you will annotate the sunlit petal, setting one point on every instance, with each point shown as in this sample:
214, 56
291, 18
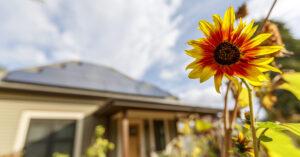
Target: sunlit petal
218, 81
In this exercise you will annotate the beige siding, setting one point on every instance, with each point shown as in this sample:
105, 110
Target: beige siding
11, 110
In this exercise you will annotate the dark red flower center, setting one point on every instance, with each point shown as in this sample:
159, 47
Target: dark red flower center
226, 54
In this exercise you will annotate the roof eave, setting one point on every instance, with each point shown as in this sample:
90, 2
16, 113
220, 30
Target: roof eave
81, 92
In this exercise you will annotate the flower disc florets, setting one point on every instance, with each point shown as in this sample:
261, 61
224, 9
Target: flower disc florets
226, 53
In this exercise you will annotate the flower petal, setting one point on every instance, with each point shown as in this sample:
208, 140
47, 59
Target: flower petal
228, 22
218, 81
264, 68
245, 35
206, 28
251, 32
194, 64
253, 83
217, 21
195, 73
263, 50
258, 40
196, 53
196, 43
207, 73
248, 29
236, 83
262, 61
253, 75
237, 31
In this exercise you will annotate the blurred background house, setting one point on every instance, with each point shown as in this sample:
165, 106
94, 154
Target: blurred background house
55, 108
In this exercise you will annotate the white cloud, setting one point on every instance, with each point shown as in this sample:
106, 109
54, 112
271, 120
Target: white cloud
20, 53
286, 11
202, 97
167, 74
127, 35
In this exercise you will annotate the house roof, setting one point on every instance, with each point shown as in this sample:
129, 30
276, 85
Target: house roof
87, 76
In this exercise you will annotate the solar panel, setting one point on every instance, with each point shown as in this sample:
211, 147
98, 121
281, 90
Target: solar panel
86, 76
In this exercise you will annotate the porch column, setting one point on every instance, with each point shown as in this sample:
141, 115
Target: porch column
125, 134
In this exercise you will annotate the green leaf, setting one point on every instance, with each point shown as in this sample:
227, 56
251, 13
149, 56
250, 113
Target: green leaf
281, 146
270, 125
292, 127
202, 125
265, 138
292, 84
233, 149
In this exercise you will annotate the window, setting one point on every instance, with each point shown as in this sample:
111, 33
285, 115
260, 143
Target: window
45, 137
147, 138
159, 133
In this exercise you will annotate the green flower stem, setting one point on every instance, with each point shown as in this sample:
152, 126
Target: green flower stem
252, 125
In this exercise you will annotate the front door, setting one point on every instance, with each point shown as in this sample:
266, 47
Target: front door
134, 140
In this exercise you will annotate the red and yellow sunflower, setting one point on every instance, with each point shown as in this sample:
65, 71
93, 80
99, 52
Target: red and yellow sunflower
230, 52
241, 142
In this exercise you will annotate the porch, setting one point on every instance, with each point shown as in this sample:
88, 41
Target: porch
143, 130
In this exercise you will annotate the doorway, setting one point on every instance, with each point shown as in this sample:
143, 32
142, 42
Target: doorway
134, 140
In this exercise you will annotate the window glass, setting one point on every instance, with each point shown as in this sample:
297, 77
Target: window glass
36, 149
64, 147
64, 131
147, 138
45, 137
37, 132
159, 133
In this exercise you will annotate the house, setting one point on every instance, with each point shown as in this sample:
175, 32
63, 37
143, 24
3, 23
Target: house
55, 108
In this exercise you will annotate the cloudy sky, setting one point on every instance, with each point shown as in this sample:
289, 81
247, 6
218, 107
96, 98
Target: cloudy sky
143, 39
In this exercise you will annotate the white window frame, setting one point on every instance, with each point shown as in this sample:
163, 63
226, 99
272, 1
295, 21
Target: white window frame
27, 115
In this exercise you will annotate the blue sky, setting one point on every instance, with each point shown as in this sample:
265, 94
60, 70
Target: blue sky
143, 39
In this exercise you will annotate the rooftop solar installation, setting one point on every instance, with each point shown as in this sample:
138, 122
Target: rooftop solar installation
86, 76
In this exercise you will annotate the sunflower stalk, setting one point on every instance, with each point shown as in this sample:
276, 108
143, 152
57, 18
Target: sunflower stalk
267, 17
252, 121
235, 111
227, 129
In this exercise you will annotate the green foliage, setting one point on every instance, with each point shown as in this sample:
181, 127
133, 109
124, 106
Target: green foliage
197, 138
100, 146
280, 146
270, 125
276, 142
287, 104
56, 154
292, 127
202, 125
265, 138
292, 84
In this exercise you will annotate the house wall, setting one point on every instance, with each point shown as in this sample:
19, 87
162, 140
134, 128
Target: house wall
13, 106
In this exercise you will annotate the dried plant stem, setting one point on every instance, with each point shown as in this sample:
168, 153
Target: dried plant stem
252, 125
267, 17
235, 110
227, 130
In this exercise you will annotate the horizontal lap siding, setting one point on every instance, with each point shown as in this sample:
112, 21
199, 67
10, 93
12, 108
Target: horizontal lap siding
11, 110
